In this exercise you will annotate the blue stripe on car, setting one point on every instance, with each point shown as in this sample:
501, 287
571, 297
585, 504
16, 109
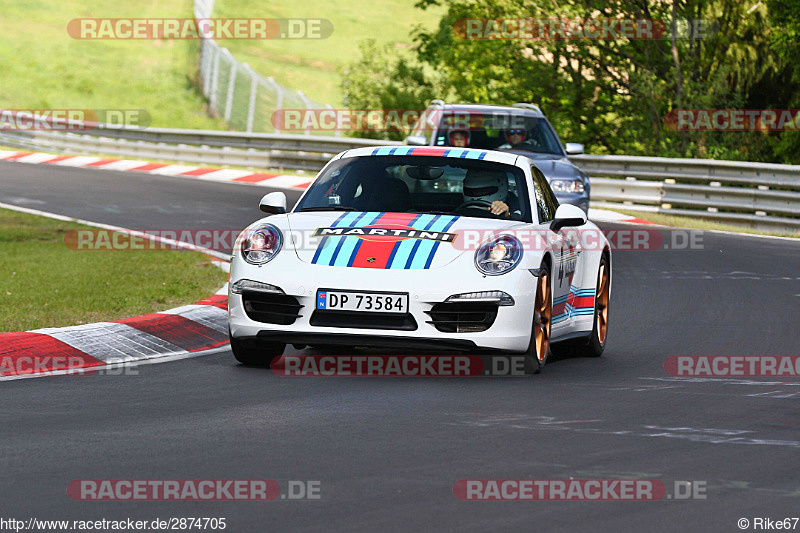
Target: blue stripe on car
403, 249
324, 242
352, 244
437, 243
420, 258
328, 246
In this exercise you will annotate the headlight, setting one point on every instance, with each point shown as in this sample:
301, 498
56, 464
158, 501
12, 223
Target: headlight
260, 245
499, 255
573, 186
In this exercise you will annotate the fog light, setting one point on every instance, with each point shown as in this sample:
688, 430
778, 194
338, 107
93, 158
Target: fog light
499, 297
255, 286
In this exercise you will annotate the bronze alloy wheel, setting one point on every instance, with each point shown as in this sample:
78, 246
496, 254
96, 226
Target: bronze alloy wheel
542, 315
601, 303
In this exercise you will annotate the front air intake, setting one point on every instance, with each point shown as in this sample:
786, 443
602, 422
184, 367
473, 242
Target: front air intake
271, 308
463, 317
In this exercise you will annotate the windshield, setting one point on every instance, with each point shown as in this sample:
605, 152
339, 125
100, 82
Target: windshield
498, 131
421, 184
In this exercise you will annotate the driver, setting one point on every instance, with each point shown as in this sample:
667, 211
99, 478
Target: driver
513, 137
492, 188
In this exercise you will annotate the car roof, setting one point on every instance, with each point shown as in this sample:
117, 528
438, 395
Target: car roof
436, 151
491, 108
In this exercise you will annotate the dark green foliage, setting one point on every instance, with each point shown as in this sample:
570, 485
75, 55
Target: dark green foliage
612, 95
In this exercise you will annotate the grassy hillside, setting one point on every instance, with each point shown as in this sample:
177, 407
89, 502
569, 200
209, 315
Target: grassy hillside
313, 65
43, 67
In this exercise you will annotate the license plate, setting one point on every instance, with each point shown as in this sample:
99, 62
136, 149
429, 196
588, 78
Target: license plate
367, 302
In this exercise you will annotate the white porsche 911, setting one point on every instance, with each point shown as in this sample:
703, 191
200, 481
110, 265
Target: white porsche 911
422, 248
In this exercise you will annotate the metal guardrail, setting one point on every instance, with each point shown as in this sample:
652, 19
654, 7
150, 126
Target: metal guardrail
209, 147
757, 195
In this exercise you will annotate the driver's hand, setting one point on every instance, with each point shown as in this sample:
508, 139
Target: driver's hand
499, 208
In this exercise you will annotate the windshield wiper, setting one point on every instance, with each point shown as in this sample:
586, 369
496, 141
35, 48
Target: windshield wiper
329, 208
431, 212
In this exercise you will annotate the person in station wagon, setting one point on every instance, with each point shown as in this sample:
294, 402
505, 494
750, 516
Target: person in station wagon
459, 138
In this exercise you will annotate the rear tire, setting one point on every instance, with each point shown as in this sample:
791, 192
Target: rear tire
539, 346
256, 352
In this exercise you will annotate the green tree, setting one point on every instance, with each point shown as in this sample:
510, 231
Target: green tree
383, 80
616, 95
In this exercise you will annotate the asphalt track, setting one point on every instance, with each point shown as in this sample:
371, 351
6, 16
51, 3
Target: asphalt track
387, 451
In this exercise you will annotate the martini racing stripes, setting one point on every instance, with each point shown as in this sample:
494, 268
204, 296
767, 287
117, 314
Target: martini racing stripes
434, 245
324, 250
462, 153
383, 251
376, 254
579, 302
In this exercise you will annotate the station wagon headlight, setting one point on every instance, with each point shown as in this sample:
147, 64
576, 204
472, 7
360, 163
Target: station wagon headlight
261, 244
498, 255
571, 186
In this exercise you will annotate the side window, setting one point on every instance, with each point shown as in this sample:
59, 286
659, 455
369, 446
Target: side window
546, 202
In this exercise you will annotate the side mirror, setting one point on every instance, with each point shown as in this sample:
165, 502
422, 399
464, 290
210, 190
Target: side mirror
574, 148
273, 203
568, 215
417, 140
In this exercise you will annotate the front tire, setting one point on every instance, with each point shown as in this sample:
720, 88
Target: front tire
539, 346
256, 352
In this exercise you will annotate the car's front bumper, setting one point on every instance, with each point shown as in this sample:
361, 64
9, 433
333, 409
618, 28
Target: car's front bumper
510, 330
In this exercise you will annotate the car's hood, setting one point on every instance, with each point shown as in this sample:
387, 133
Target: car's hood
402, 241
554, 166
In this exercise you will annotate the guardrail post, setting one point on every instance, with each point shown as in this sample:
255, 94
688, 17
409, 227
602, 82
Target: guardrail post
307, 103
214, 77
279, 98
336, 133
231, 86
205, 66
251, 105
